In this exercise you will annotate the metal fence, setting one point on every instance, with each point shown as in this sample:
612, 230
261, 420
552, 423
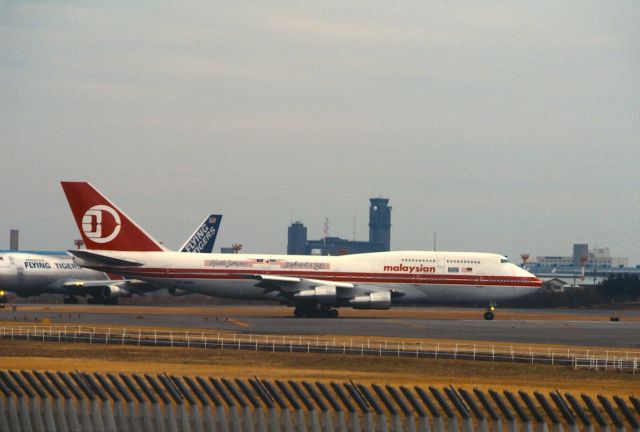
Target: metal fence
618, 360
80, 401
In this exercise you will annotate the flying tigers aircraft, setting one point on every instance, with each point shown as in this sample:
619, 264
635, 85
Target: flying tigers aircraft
31, 273
314, 285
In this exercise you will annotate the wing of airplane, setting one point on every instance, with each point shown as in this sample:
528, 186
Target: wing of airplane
290, 285
312, 297
108, 289
92, 259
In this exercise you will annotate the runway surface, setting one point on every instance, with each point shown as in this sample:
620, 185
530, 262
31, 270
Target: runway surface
580, 328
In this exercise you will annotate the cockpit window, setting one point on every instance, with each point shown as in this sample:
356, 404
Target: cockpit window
504, 260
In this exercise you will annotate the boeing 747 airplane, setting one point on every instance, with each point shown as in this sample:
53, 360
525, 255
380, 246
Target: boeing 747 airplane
30, 273
313, 285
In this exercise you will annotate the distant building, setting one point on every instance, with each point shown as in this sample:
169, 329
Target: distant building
561, 272
599, 258
555, 285
380, 222
14, 236
580, 252
297, 239
379, 236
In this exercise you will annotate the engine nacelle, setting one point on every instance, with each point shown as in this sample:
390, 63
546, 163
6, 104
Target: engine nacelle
113, 292
323, 294
177, 292
375, 300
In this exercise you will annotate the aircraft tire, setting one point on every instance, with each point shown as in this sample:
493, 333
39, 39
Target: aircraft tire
332, 313
488, 316
299, 313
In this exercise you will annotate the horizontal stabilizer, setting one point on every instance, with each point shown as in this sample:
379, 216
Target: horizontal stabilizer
99, 259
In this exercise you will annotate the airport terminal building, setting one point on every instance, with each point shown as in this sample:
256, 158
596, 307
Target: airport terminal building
597, 258
583, 268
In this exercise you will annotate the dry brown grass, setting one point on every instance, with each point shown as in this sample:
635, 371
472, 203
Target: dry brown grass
244, 364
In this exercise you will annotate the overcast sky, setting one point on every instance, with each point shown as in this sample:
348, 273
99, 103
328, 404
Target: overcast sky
501, 126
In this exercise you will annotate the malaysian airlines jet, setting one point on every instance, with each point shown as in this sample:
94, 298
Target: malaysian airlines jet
313, 285
30, 274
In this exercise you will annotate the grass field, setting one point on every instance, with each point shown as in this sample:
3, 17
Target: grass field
243, 364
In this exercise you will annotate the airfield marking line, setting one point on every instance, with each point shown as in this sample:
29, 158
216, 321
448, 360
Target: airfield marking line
417, 326
238, 323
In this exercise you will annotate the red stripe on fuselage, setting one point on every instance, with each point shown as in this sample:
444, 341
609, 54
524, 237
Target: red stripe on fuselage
233, 274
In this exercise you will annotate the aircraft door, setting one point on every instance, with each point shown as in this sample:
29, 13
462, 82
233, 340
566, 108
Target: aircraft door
440, 263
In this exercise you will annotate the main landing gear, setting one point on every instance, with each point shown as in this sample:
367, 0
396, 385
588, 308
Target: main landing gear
315, 312
488, 315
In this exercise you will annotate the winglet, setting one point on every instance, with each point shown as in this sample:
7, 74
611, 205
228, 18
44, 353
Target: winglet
102, 225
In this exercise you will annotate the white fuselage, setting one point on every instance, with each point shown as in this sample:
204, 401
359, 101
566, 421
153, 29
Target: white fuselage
29, 274
413, 276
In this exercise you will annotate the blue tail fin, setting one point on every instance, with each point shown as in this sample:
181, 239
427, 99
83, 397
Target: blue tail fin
203, 239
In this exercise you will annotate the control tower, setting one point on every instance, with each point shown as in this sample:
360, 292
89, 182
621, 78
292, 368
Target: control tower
380, 222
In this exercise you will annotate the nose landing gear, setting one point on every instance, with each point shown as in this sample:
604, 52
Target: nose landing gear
489, 315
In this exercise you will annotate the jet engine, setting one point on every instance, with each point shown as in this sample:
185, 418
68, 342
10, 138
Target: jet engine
113, 292
322, 294
177, 292
374, 300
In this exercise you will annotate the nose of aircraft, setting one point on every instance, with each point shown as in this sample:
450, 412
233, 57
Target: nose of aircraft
6, 278
532, 280
535, 281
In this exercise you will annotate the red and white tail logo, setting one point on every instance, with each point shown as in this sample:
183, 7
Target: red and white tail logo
102, 225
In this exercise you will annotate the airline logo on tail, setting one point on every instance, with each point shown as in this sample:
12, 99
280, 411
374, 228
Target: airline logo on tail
103, 225
204, 237
93, 223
